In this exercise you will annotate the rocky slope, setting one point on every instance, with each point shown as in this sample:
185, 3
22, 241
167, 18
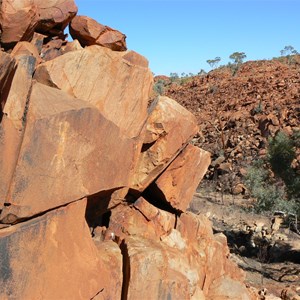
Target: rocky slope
95, 184
238, 112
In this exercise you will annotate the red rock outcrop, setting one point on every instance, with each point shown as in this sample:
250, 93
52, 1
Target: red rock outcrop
89, 32
61, 149
177, 184
80, 152
54, 257
168, 130
18, 20
118, 88
237, 114
54, 15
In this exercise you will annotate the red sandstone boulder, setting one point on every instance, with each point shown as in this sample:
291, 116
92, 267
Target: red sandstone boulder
89, 32
14, 101
142, 219
118, 88
163, 272
7, 65
54, 15
69, 150
178, 183
26, 49
168, 129
17, 20
53, 257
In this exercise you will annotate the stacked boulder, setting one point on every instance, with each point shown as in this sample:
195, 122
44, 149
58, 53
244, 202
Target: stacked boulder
95, 183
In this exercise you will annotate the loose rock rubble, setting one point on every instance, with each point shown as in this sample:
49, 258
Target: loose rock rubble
95, 184
238, 113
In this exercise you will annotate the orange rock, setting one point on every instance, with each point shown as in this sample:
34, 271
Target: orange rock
162, 271
25, 49
71, 46
136, 59
15, 101
110, 270
18, 20
69, 150
53, 257
118, 88
89, 32
143, 219
7, 65
179, 181
54, 15
226, 288
169, 128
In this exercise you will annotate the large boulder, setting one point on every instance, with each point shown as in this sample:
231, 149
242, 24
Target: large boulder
53, 257
178, 183
168, 130
7, 67
89, 32
54, 15
164, 272
69, 150
119, 88
18, 20
14, 101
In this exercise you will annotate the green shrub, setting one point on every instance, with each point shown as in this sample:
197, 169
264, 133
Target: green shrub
159, 87
282, 191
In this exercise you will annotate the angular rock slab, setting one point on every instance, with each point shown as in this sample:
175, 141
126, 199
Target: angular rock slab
111, 274
142, 219
50, 257
18, 20
15, 108
89, 32
54, 15
157, 271
178, 183
168, 129
69, 150
117, 87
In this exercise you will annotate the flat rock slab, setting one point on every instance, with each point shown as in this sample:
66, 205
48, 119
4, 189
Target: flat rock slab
69, 150
119, 88
50, 257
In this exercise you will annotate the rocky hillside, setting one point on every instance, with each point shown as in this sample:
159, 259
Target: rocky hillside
95, 185
237, 113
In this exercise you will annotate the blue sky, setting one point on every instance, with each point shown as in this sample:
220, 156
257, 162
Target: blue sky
181, 35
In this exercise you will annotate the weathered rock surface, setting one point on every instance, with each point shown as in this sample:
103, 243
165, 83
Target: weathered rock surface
89, 32
237, 114
118, 88
190, 262
78, 149
177, 184
54, 15
17, 20
63, 157
15, 100
51, 257
168, 129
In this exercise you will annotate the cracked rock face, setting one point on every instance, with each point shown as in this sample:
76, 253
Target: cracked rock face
94, 185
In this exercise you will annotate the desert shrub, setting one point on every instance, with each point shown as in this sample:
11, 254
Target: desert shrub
159, 87
281, 153
281, 191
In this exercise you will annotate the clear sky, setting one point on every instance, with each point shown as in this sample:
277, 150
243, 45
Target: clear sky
181, 35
